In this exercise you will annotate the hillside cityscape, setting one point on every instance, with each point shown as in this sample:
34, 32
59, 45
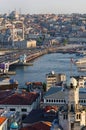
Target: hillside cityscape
57, 103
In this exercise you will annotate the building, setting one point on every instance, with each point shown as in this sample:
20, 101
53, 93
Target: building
42, 125
12, 116
25, 44
72, 103
52, 79
23, 102
72, 116
3, 123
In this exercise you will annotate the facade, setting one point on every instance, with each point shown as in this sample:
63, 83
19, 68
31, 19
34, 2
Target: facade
53, 78
72, 99
3, 123
25, 44
23, 102
72, 116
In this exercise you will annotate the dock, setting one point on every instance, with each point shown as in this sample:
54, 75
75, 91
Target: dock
23, 64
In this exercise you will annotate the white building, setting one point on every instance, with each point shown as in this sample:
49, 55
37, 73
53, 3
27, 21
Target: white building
23, 102
72, 99
72, 116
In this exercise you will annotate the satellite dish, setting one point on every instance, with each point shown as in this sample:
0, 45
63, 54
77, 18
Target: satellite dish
53, 72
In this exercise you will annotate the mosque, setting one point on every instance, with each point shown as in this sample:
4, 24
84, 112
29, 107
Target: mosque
71, 114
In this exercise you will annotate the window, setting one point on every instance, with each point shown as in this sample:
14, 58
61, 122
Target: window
24, 110
79, 116
72, 126
59, 100
47, 100
65, 116
12, 109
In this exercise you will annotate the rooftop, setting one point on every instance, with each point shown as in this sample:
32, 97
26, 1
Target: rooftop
39, 116
38, 126
24, 98
2, 119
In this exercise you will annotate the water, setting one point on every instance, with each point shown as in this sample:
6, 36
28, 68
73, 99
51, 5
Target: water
58, 62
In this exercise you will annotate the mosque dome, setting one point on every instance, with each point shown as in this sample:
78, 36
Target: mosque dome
14, 125
72, 83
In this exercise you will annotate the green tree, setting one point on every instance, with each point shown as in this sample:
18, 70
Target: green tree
44, 87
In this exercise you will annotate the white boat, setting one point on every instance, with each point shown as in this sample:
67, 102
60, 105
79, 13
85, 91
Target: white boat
82, 69
81, 61
7, 83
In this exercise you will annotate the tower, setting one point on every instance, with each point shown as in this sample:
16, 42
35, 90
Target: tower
72, 115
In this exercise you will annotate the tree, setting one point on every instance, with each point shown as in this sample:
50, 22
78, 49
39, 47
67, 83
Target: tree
44, 87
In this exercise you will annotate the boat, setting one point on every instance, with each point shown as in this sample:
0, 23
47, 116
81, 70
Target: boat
80, 61
82, 69
22, 61
7, 83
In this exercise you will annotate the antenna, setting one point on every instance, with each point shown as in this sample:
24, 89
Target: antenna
71, 69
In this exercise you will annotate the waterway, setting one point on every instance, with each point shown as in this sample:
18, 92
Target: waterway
57, 62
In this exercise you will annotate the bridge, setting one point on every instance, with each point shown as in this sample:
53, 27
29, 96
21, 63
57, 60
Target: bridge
13, 57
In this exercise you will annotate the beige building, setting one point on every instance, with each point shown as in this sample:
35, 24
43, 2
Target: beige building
52, 78
25, 44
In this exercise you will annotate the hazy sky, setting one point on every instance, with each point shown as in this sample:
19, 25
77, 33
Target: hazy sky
43, 6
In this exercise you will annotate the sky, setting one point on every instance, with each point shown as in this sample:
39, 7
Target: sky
43, 6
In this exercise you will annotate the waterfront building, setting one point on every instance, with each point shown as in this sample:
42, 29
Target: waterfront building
3, 123
71, 101
52, 79
25, 44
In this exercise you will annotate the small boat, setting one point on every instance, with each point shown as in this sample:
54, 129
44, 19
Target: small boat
7, 83
82, 69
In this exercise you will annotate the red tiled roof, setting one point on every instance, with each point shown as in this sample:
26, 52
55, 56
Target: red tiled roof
26, 98
38, 126
47, 108
2, 119
5, 93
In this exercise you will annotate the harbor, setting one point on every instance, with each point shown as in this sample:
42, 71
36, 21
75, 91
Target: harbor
57, 62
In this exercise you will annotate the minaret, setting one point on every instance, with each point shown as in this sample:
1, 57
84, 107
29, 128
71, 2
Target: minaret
72, 95
72, 115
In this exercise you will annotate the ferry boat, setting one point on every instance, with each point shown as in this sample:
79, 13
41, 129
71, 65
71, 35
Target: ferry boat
7, 83
22, 61
80, 61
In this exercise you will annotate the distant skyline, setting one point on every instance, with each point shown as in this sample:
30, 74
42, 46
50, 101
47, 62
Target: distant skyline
43, 6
